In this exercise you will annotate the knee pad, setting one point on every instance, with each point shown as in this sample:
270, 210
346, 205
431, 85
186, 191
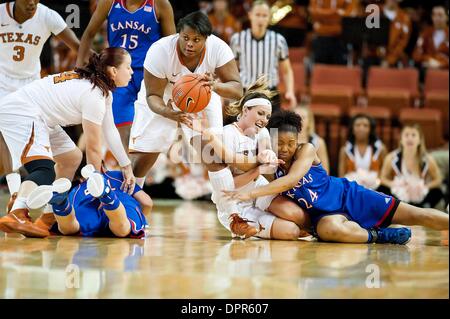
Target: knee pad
41, 171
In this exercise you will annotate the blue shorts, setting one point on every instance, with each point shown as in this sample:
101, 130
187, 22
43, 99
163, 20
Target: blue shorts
95, 223
124, 98
366, 207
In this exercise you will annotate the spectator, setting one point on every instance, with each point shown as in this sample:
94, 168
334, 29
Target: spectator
223, 23
361, 158
410, 173
432, 48
260, 51
326, 17
308, 135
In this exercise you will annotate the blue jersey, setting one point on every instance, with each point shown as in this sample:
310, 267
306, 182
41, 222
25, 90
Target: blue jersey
320, 194
134, 31
91, 217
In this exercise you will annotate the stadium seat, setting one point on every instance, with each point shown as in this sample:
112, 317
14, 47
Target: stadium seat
335, 84
393, 88
436, 95
327, 119
297, 54
430, 121
382, 116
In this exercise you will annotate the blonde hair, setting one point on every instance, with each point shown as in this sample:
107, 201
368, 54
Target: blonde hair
311, 129
421, 149
259, 89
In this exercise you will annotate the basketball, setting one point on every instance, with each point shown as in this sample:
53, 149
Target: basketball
190, 95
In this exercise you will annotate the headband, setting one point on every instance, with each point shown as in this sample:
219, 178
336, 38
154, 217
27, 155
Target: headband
257, 101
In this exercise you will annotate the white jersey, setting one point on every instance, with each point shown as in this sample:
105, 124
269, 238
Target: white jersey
61, 99
163, 62
239, 143
21, 44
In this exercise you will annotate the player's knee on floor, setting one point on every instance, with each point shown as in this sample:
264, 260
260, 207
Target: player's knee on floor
329, 229
292, 231
41, 172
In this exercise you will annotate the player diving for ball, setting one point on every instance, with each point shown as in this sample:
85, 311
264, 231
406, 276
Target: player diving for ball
244, 149
340, 210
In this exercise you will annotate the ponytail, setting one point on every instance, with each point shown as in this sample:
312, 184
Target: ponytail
96, 69
259, 89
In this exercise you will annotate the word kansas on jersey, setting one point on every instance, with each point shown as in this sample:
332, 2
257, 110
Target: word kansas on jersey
19, 38
133, 25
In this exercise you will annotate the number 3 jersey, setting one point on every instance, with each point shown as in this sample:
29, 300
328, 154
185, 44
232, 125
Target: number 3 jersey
134, 31
320, 194
21, 44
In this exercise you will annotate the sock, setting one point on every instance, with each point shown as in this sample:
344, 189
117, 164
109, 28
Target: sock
19, 203
13, 181
63, 208
48, 209
110, 200
222, 180
140, 181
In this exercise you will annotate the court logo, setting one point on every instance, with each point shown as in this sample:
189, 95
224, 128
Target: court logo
72, 276
373, 279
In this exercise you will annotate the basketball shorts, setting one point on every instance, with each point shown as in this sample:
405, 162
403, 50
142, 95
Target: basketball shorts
153, 133
124, 98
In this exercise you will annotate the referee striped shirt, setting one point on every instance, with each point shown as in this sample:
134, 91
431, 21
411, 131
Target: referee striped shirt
258, 57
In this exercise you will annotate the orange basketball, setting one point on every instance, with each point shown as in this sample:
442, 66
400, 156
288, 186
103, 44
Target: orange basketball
190, 95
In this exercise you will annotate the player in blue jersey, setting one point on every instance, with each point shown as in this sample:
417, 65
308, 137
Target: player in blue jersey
340, 210
133, 25
95, 208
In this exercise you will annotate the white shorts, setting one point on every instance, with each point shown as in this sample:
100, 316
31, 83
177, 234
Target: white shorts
60, 142
9, 84
255, 212
27, 139
153, 133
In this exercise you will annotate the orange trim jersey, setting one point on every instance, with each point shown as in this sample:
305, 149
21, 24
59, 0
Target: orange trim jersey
21, 44
353, 162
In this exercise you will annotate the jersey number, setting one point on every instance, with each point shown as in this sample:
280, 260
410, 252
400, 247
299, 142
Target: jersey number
133, 43
20, 53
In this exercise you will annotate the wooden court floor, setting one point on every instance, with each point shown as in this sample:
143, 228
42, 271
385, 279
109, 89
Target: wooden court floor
189, 255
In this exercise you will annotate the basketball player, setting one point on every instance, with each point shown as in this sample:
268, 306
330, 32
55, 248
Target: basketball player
133, 25
94, 208
193, 50
271, 217
69, 98
340, 210
25, 25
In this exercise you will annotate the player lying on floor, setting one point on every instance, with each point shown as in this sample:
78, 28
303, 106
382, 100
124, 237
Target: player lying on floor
270, 217
340, 210
97, 207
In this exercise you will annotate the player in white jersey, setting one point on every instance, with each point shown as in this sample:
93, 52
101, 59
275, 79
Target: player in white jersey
192, 50
70, 98
25, 25
273, 217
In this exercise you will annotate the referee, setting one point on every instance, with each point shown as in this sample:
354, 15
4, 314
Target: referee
261, 51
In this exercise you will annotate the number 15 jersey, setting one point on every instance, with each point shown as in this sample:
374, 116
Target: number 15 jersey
134, 31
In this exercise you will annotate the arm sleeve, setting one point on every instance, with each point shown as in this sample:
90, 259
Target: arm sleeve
55, 22
153, 63
112, 136
222, 52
